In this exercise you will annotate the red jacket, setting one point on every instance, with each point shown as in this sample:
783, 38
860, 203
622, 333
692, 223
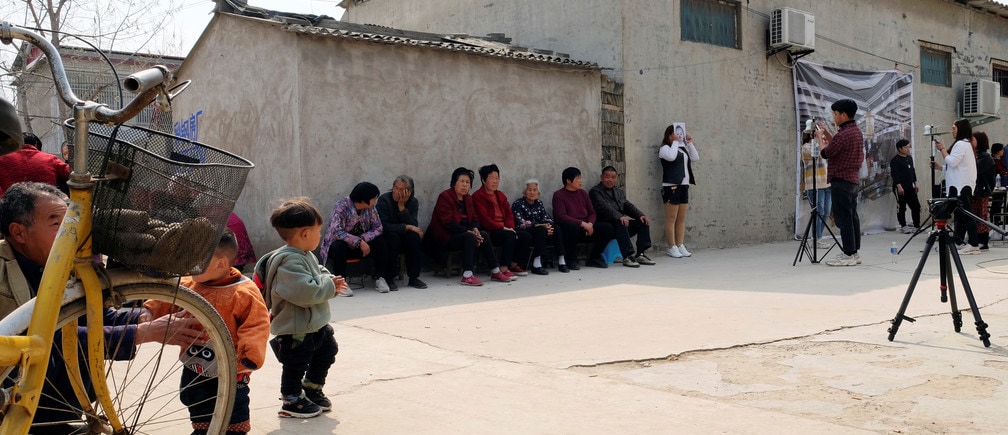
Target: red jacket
446, 220
485, 210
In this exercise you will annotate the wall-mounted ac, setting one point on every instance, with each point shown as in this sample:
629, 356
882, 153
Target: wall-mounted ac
981, 98
792, 29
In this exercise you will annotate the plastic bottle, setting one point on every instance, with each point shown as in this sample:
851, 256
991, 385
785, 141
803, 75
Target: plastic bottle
997, 181
893, 251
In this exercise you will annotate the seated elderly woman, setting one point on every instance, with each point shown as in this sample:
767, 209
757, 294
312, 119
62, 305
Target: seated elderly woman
355, 231
530, 215
454, 226
495, 217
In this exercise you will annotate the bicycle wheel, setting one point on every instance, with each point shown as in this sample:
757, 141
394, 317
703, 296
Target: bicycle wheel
146, 389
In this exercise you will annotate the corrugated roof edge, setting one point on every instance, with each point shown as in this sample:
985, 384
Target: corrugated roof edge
326, 26
466, 45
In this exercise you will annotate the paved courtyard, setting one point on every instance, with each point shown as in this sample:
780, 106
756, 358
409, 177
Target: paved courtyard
730, 341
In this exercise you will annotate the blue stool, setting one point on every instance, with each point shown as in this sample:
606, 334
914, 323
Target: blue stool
612, 253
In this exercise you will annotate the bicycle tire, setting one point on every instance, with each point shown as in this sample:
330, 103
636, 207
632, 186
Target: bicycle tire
146, 389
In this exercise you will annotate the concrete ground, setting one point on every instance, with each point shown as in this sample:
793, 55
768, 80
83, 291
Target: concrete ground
728, 341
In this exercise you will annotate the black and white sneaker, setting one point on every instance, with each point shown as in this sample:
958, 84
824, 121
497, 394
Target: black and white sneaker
317, 397
300, 408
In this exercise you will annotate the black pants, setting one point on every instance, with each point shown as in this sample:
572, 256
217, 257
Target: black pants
964, 225
539, 237
909, 198
466, 242
514, 245
573, 234
308, 359
624, 233
408, 243
340, 252
199, 394
845, 214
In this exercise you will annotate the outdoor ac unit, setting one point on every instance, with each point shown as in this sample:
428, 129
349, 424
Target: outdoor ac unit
792, 29
981, 98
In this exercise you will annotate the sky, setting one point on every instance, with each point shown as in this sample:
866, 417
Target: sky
194, 15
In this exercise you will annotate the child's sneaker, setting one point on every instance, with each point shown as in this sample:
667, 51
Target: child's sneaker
317, 397
300, 408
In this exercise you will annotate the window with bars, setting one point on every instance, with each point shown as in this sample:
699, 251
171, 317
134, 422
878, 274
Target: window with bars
936, 66
715, 22
1000, 74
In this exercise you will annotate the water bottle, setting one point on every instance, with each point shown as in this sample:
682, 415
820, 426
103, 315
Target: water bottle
892, 252
997, 181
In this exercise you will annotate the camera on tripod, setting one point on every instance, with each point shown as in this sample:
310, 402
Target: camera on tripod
942, 208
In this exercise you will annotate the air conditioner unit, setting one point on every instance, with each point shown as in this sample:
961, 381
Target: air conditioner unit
981, 98
792, 29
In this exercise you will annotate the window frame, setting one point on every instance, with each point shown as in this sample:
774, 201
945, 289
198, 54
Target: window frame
734, 5
1000, 66
932, 49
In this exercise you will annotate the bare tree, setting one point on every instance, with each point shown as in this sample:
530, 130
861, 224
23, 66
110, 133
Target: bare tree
129, 26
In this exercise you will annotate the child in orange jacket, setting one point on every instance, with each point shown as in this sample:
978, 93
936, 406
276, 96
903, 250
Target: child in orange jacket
241, 305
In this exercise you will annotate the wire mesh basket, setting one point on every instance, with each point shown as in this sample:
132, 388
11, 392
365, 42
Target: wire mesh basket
161, 201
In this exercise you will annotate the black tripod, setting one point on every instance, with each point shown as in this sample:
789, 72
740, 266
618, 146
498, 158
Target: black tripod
803, 248
942, 209
936, 190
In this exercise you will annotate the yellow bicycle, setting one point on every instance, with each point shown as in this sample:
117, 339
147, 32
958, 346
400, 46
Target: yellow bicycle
147, 200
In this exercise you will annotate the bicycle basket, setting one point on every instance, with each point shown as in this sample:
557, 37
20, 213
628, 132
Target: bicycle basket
161, 201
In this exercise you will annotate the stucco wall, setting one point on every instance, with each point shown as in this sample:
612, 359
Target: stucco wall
738, 104
318, 114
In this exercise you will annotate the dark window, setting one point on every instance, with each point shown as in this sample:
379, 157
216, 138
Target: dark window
936, 67
714, 22
1001, 76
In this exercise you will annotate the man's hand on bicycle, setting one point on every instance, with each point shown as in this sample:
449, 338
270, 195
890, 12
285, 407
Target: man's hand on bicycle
179, 329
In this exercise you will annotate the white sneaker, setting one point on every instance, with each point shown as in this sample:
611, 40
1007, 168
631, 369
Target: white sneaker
843, 260
381, 285
857, 257
824, 244
969, 250
684, 252
674, 252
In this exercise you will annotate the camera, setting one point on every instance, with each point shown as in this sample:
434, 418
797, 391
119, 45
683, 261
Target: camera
942, 208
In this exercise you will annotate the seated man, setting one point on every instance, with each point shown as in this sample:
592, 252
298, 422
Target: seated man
398, 211
355, 231
611, 206
30, 216
574, 214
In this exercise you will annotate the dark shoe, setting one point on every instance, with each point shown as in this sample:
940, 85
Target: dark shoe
573, 266
301, 408
596, 262
540, 271
563, 268
416, 283
391, 284
317, 397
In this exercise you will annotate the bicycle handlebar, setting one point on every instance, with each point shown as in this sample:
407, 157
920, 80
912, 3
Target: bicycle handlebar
147, 83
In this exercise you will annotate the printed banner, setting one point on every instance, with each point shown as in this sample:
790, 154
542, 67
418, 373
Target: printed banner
885, 111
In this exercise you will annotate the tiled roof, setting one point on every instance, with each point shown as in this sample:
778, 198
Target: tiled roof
494, 45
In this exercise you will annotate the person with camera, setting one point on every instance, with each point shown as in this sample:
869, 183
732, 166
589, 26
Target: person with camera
845, 153
960, 178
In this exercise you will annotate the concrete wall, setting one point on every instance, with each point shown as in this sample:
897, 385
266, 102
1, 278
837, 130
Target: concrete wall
738, 104
319, 114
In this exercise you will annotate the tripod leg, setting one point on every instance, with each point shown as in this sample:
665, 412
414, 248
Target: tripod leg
943, 266
803, 249
978, 321
947, 249
901, 314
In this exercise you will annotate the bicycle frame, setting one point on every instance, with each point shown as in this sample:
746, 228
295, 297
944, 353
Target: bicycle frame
71, 253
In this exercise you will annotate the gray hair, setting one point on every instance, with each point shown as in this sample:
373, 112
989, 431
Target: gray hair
18, 203
406, 179
531, 181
